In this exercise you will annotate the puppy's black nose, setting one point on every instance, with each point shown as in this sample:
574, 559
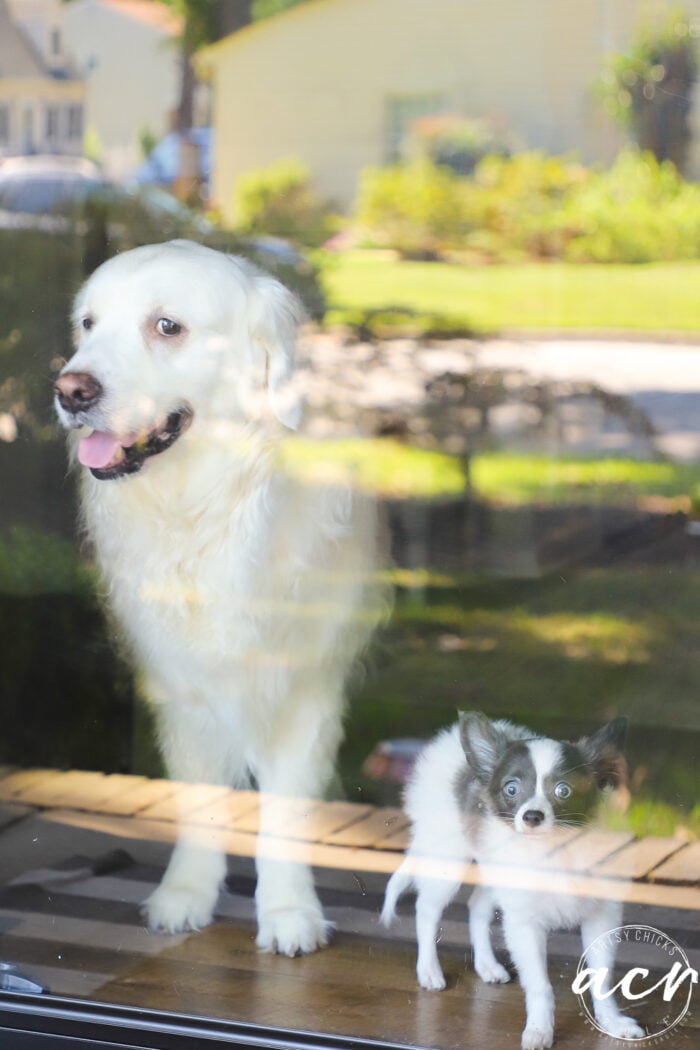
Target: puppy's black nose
77, 391
533, 817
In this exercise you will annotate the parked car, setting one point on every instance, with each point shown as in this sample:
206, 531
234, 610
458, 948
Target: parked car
56, 193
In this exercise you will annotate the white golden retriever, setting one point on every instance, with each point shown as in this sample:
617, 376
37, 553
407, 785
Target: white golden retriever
244, 595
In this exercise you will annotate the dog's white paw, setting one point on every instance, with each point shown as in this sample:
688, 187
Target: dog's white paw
173, 908
621, 1027
292, 931
431, 977
491, 972
537, 1037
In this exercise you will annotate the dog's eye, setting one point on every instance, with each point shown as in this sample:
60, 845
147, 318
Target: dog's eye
87, 323
511, 789
167, 327
562, 790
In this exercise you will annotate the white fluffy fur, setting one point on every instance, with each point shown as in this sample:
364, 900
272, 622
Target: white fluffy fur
244, 595
436, 860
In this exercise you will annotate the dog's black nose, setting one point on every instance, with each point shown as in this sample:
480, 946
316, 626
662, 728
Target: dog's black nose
77, 391
533, 817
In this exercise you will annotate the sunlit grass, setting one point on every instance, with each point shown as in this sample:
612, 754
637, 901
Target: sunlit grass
393, 470
526, 479
589, 636
378, 465
658, 297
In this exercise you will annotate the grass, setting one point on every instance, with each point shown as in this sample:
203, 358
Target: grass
393, 470
658, 297
520, 479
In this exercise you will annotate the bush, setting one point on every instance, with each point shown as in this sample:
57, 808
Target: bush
516, 204
535, 206
639, 211
280, 201
418, 208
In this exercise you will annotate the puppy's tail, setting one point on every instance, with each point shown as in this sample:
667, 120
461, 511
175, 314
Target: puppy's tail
400, 881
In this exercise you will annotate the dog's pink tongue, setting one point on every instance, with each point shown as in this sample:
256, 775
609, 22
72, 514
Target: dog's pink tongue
98, 449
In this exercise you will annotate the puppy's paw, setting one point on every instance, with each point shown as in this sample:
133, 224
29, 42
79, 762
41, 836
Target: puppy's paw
621, 1027
431, 977
536, 1037
491, 972
174, 908
292, 931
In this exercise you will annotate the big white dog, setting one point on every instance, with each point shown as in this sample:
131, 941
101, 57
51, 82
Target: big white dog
243, 594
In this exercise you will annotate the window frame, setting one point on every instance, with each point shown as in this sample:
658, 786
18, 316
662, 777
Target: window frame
77, 1024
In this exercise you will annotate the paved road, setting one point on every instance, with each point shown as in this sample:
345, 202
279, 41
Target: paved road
662, 378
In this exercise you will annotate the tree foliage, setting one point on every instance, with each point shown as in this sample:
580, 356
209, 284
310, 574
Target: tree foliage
648, 90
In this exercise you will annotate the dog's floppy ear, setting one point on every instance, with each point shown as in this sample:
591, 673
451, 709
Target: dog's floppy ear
604, 751
482, 741
275, 319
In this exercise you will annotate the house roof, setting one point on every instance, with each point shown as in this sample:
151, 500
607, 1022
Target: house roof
148, 12
18, 57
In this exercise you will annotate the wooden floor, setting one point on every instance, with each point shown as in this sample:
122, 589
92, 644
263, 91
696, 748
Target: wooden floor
80, 851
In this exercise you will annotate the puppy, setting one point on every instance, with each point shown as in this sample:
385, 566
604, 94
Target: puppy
500, 794
244, 595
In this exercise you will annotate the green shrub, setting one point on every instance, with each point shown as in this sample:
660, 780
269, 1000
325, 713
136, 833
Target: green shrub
280, 201
420, 209
516, 204
639, 211
534, 206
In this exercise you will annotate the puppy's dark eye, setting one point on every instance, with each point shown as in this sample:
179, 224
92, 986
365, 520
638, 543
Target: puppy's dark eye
511, 789
87, 323
167, 327
562, 790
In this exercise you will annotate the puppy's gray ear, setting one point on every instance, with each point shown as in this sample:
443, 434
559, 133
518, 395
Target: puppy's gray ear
275, 320
482, 742
604, 751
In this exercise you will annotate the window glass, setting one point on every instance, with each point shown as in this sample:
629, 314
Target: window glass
350, 522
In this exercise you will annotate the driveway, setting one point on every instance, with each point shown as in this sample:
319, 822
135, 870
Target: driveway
605, 393
663, 379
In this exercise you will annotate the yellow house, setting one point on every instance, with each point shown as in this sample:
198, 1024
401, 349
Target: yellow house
41, 104
338, 82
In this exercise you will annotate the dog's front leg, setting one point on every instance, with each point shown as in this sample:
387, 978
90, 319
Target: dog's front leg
434, 894
527, 944
481, 908
294, 770
195, 751
599, 954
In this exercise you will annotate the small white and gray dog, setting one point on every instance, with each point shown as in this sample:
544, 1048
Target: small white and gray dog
502, 795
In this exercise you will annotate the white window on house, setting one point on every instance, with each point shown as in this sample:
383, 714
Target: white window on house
5, 126
51, 126
402, 110
55, 42
74, 123
28, 143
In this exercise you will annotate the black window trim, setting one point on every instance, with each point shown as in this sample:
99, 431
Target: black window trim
37, 1022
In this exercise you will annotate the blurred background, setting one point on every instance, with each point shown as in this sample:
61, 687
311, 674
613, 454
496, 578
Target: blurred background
492, 215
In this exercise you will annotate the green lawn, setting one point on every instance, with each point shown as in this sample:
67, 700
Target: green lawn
393, 470
660, 297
